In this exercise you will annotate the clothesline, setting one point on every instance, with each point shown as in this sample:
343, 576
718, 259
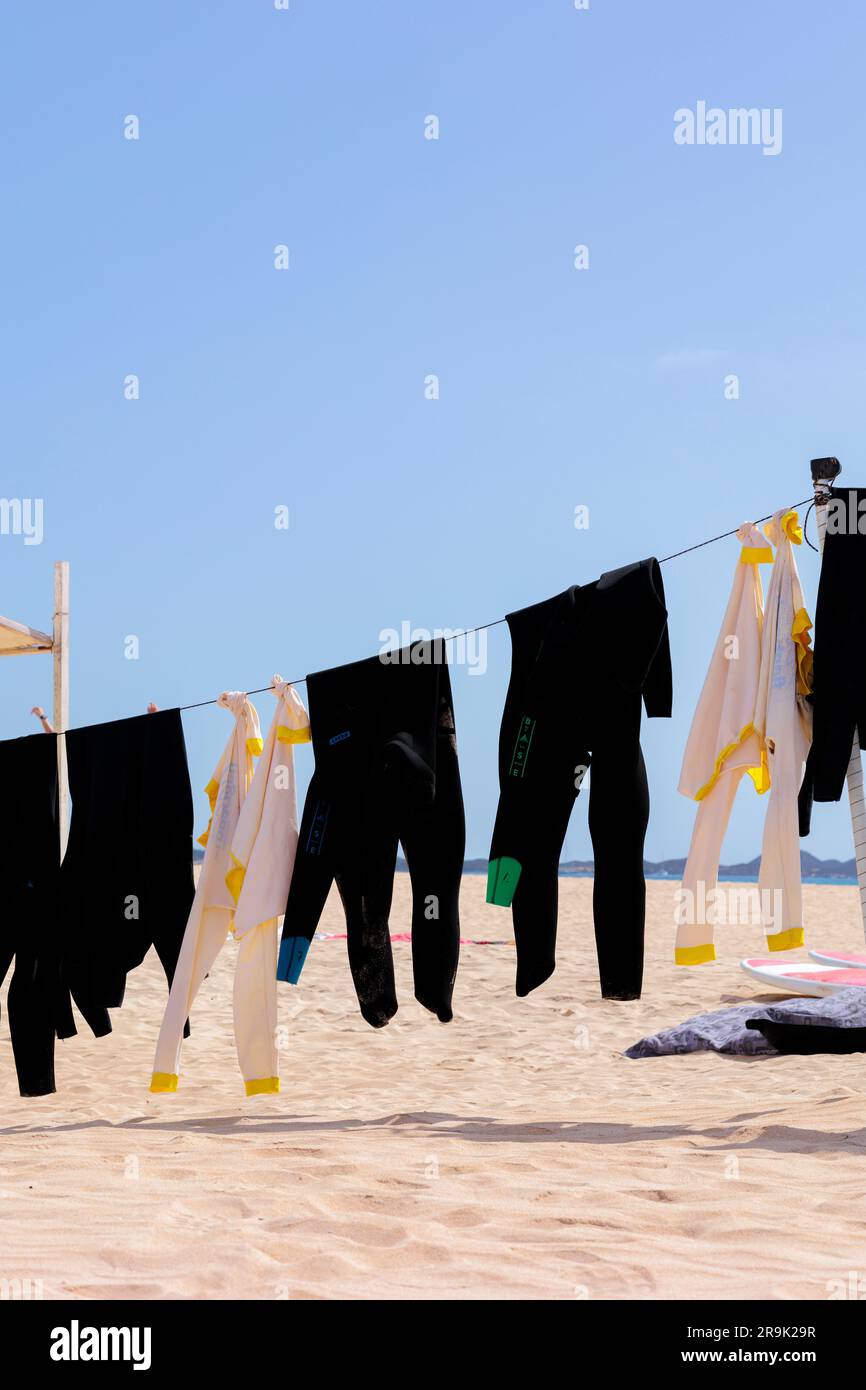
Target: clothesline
467, 632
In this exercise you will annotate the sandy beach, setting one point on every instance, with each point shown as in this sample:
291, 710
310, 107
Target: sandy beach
511, 1154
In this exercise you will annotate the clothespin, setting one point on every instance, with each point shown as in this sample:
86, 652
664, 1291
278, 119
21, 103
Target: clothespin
824, 474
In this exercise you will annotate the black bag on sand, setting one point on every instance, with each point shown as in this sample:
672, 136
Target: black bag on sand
805, 1039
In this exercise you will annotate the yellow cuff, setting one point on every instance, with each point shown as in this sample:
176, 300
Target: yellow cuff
753, 555
287, 735
786, 940
255, 746
265, 1086
791, 526
163, 1081
694, 955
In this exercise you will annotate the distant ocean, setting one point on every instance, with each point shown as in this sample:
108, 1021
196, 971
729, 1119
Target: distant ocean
743, 878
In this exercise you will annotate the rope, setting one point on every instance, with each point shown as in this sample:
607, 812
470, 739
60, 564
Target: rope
467, 632
805, 525
725, 534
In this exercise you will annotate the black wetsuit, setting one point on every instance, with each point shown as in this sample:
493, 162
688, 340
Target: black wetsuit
581, 663
29, 932
839, 672
386, 772
126, 881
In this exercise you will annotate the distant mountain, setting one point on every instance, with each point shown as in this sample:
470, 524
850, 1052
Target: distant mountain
810, 867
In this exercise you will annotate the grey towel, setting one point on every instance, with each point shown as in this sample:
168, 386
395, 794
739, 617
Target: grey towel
726, 1030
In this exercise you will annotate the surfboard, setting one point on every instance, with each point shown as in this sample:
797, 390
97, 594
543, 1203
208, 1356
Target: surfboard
802, 978
846, 958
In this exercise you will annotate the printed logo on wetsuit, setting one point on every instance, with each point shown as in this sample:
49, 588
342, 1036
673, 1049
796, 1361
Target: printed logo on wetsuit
340, 738
446, 722
316, 837
521, 747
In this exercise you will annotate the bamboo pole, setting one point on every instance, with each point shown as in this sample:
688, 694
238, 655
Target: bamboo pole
60, 653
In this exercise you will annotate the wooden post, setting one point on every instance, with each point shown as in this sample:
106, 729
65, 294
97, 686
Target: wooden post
60, 652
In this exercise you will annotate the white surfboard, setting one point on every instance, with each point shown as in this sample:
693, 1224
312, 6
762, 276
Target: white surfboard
799, 977
850, 959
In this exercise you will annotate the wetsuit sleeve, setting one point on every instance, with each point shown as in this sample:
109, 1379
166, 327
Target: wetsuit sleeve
805, 797
658, 689
312, 877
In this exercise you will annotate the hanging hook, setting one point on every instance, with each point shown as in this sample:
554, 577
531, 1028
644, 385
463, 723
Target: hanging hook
824, 473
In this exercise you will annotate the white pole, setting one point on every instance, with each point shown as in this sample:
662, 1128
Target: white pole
854, 776
60, 652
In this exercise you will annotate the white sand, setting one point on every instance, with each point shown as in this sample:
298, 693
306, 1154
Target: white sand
512, 1153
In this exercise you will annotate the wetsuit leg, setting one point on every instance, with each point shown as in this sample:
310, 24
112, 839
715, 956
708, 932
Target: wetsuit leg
618, 817
254, 1005
540, 812
30, 1003
541, 765
30, 837
366, 888
434, 842
204, 939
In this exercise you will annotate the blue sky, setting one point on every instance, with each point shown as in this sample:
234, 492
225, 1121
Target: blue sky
411, 257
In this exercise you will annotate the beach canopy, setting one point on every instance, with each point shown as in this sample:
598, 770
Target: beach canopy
16, 638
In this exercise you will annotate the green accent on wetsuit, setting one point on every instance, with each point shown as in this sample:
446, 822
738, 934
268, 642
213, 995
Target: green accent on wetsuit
502, 878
